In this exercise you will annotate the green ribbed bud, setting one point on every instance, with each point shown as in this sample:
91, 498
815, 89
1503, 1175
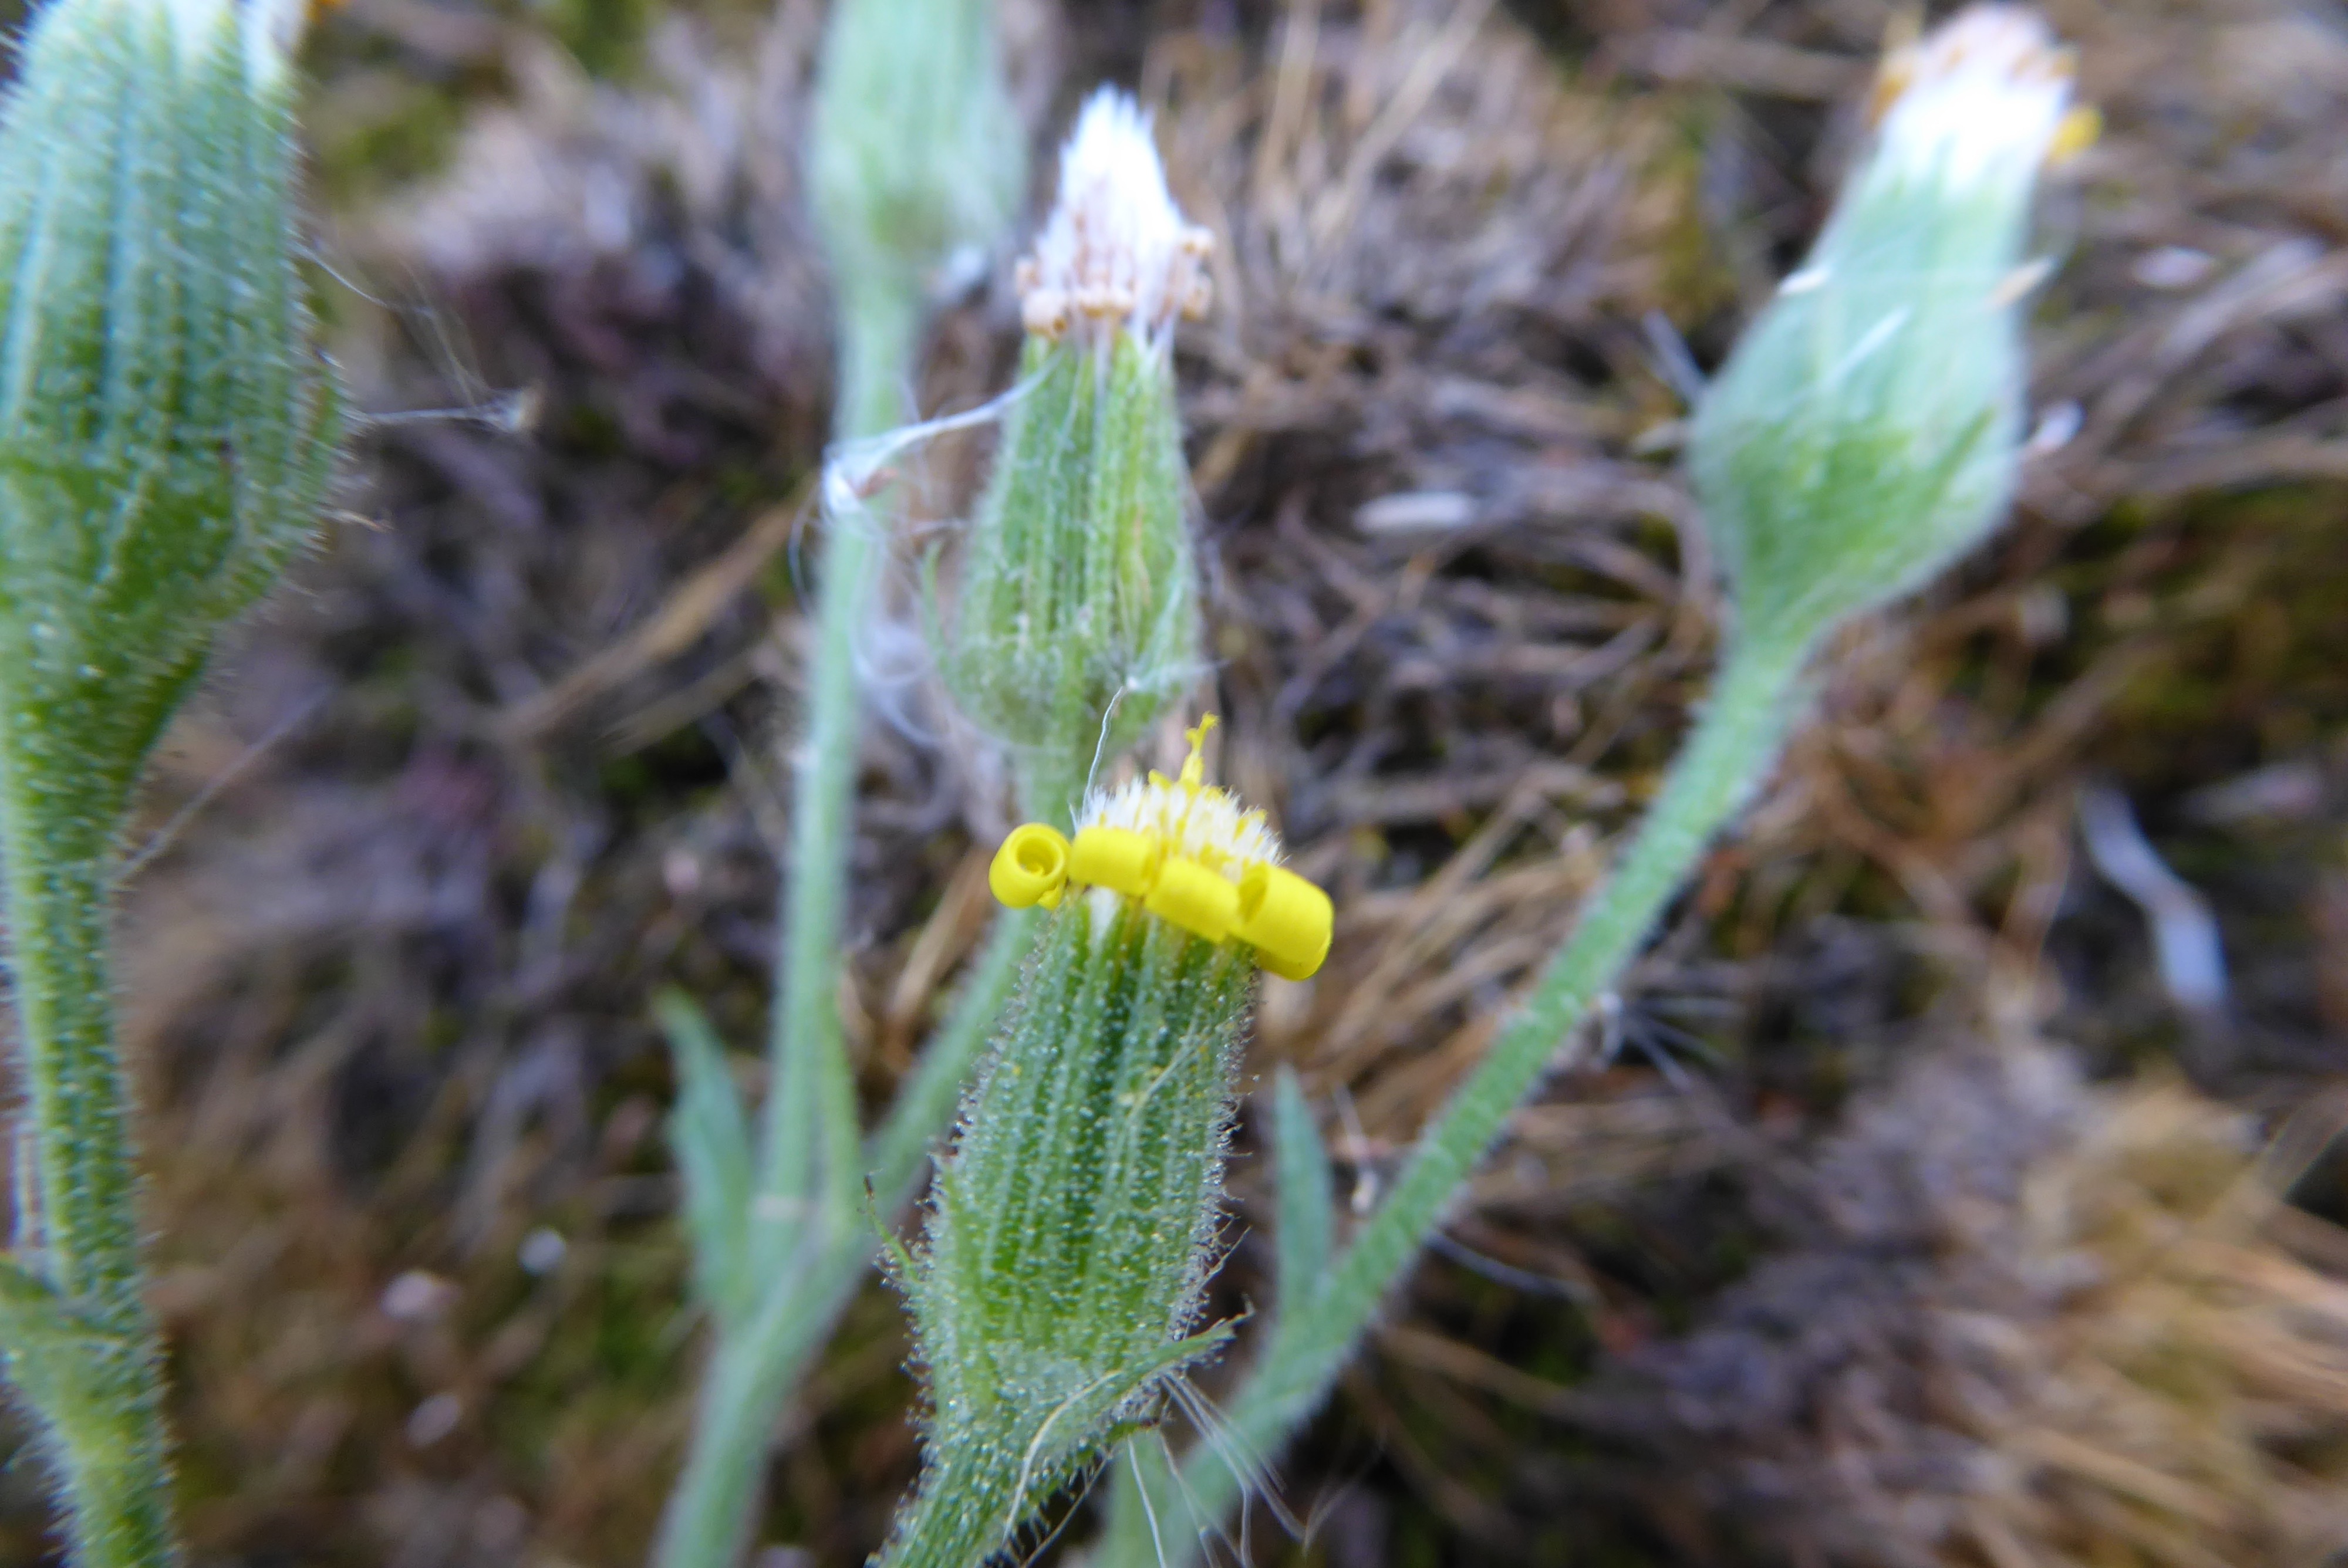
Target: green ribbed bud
1074, 1223
166, 424
918, 148
917, 154
1077, 614
166, 432
1865, 430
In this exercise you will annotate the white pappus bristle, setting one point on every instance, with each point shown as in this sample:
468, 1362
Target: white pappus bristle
1116, 253
1980, 99
1198, 822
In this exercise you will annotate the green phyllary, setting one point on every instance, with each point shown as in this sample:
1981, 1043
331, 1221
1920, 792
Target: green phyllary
1071, 1227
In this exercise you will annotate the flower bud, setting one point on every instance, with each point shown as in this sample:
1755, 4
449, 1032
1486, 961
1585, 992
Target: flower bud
1077, 616
1864, 430
168, 423
1074, 1223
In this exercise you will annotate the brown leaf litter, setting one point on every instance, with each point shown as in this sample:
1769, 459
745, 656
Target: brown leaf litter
2030, 1322
389, 988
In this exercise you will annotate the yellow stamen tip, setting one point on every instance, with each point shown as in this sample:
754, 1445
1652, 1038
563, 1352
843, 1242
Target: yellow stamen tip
1194, 766
2079, 130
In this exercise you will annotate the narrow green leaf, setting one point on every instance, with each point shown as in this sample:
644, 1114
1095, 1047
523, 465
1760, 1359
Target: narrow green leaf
711, 1133
1148, 1518
1307, 1202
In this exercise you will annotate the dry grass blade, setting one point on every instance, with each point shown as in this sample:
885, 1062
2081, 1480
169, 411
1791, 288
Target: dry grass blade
390, 985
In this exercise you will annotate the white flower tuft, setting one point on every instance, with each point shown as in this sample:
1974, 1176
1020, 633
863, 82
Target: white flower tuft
273, 35
1982, 98
1115, 252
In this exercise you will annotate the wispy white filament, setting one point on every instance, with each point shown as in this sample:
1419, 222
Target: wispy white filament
1981, 98
1116, 253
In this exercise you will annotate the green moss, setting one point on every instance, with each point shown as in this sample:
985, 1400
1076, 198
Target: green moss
605, 35
1696, 280
382, 130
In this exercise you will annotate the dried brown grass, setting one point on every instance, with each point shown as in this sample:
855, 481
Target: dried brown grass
390, 987
2035, 1322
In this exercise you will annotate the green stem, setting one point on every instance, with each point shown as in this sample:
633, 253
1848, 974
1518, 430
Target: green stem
1732, 748
751, 1370
103, 1400
880, 330
958, 1518
811, 1149
757, 1364
812, 1240
1051, 783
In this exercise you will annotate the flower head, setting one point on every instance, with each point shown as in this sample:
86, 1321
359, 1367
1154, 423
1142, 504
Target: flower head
916, 156
1192, 818
1074, 1223
1985, 98
181, 419
1189, 853
1077, 619
1116, 254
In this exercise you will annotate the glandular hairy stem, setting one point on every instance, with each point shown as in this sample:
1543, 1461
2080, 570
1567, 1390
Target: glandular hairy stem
100, 1393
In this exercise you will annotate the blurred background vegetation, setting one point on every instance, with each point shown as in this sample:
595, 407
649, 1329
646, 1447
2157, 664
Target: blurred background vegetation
1915, 1221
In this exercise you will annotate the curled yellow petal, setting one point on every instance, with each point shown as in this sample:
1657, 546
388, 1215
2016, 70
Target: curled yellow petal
1202, 902
1031, 867
1114, 858
1287, 919
1190, 853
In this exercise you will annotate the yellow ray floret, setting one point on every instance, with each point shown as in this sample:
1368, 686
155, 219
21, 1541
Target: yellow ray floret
1187, 851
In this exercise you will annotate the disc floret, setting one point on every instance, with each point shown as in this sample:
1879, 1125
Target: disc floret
1117, 254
